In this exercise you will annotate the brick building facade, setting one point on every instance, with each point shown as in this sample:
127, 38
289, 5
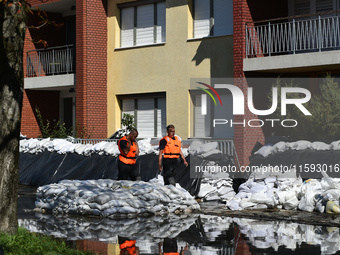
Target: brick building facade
81, 98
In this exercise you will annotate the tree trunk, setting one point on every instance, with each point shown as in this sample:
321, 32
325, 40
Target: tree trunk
13, 26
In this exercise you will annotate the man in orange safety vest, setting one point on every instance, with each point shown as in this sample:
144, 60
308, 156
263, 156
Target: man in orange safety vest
129, 150
171, 153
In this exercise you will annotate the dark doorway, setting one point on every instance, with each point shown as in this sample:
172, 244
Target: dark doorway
68, 112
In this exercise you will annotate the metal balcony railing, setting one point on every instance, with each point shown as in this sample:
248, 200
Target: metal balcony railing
50, 61
297, 35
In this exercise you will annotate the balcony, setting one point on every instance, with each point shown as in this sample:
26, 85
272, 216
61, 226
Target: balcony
50, 67
295, 43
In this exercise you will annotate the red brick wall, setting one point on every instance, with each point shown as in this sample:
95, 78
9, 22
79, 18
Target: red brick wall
242, 248
47, 101
245, 138
29, 45
48, 104
91, 66
95, 246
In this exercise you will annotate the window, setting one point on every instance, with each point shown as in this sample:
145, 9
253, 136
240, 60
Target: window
142, 24
203, 124
301, 7
149, 113
213, 18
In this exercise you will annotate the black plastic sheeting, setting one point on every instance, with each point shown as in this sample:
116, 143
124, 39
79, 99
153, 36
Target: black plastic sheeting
308, 163
50, 167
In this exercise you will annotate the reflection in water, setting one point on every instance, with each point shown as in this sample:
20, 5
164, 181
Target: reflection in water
275, 236
72, 228
189, 234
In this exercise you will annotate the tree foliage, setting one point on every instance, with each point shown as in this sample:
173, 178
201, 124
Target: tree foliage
128, 122
58, 129
324, 123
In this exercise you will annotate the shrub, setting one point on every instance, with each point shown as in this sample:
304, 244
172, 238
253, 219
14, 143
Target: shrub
324, 124
58, 130
24, 243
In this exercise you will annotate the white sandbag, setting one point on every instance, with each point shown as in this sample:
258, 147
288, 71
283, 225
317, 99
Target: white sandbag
228, 195
335, 145
258, 188
260, 206
264, 150
243, 194
42, 205
194, 147
205, 190
261, 198
280, 147
185, 152
212, 197
211, 152
127, 209
142, 190
332, 183
271, 179
204, 148
300, 145
224, 190
102, 199
80, 148
307, 202
100, 146
285, 195
111, 149
96, 197
33, 144
55, 191
244, 186
88, 150
270, 185
234, 205
332, 194
261, 174
291, 204
320, 146
246, 203
65, 148
110, 211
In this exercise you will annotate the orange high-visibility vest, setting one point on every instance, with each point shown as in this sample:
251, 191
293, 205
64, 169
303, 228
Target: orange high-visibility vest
129, 245
129, 158
171, 253
172, 148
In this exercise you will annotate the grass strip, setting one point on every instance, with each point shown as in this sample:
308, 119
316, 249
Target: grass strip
26, 243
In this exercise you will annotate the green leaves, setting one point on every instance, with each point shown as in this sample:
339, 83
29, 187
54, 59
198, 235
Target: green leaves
24, 243
128, 122
324, 124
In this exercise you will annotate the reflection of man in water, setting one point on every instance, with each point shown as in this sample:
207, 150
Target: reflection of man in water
127, 246
170, 247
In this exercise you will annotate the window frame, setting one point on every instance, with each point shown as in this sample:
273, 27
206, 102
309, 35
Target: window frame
135, 5
156, 97
211, 21
312, 7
